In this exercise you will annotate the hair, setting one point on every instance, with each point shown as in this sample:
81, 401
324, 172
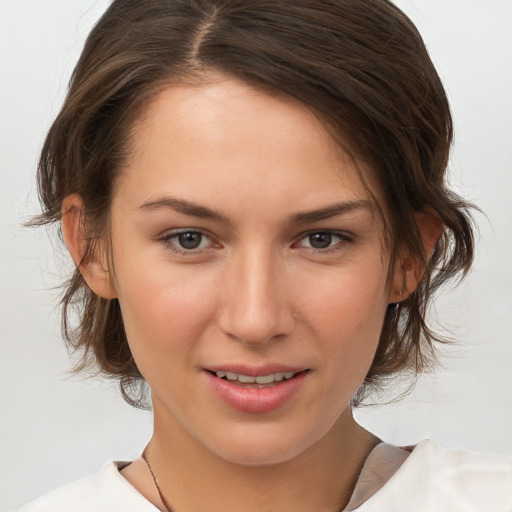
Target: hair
360, 65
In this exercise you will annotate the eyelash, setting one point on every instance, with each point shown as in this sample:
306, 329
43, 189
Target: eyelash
167, 241
343, 239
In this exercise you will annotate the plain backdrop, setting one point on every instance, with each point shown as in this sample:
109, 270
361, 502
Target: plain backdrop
54, 429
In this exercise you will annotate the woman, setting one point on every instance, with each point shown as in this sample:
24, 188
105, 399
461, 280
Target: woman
254, 197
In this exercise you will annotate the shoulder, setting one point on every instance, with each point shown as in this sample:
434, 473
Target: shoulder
463, 469
435, 479
103, 492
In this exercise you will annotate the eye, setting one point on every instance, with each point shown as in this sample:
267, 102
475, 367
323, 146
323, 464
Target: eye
322, 240
187, 241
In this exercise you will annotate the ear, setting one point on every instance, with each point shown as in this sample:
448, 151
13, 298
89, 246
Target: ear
95, 269
409, 269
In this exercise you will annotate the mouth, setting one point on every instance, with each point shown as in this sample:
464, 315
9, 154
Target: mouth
257, 381
256, 390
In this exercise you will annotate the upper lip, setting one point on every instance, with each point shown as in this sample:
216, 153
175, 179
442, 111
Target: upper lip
255, 371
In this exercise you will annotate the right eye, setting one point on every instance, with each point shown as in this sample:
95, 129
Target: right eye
187, 241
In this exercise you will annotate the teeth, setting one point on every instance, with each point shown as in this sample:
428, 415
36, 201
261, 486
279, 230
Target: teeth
262, 379
246, 379
266, 379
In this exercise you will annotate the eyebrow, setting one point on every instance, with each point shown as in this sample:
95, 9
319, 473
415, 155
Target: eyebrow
203, 212
185, 207
332, 211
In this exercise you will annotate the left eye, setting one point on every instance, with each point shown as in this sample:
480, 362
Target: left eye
188, 240
321, 240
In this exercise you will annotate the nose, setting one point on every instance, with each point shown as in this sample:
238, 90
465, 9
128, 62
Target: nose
256, 306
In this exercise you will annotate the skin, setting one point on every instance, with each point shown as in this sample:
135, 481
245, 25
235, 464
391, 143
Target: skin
254, 291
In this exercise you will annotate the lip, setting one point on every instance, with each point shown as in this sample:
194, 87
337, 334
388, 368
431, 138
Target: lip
256, 400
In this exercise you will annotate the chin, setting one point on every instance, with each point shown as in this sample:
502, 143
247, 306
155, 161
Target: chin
256, 456
263, 447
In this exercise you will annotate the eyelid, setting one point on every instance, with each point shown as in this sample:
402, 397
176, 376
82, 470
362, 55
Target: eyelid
167, 237
342, 235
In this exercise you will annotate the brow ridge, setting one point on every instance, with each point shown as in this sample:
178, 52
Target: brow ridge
190, 208
183, 206
332, 211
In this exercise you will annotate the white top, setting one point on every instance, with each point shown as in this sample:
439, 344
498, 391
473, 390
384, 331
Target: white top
430, 479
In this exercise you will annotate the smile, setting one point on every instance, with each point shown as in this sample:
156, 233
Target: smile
259, 380
264, 391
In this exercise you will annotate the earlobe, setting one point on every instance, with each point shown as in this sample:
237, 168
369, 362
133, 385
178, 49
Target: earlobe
410, 269
94, 267
406, 278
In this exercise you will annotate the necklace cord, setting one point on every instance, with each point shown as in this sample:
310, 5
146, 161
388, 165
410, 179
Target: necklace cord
162, 499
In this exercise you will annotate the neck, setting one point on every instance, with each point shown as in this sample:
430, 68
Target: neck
322, 478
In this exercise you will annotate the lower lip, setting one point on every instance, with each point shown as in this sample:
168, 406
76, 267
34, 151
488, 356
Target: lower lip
256, 400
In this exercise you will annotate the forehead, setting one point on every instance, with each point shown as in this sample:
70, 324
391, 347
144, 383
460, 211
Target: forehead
226, 137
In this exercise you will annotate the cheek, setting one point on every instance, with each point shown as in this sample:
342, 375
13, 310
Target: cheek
163, 310
347, 299
346, 310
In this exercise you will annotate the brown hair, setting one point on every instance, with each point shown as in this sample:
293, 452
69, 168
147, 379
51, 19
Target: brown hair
360, 65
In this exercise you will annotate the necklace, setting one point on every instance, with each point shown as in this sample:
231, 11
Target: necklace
162, 499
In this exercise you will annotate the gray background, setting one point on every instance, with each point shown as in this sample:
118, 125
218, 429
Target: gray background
54, 429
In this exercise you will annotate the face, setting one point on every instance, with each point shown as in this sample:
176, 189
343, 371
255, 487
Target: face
249, 269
